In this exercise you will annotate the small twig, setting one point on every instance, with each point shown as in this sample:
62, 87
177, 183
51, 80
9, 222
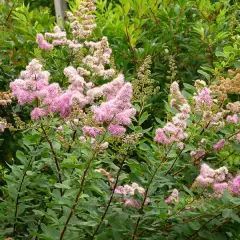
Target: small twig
77, 197
131, 49
170, 169
233, 134
196, 232
10, 13
230, 154
17, 200
55, 158
73, 138
111, 198
146, 193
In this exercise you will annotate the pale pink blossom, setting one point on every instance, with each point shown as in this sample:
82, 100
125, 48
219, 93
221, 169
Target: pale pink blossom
116, 130
233, 119
204, 97
92, 132
37, 113
220, 187
42, 43
219, 145
173, 198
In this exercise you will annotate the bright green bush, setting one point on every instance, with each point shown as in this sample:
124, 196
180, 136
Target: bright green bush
98, 159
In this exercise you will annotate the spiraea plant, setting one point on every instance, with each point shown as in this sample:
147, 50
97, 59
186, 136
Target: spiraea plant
86, 168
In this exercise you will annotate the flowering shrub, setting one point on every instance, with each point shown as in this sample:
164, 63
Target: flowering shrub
89, 168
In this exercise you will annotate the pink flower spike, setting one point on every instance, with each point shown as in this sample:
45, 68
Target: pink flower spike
220, 187
130, 202
235, 188
92, 132
37, 113
174, 197
204, 97
219, 145
233, 119
116, 130
160, 137
42, 43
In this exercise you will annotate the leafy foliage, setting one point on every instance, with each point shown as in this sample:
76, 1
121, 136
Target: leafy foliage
171, 171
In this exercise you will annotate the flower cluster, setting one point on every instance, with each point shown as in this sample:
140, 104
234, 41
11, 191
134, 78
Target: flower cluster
176, 97
219, 145
219, 179
228, 85
116, 111
174, 197
5, 98
101, 57
3, 124
174, 131
129, 190
82, 21
30, 85
82, 25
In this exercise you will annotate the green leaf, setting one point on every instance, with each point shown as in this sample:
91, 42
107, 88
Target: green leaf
206, 75
226, 213
194, 225
172, 109
220, 54
235, 217
59, 185
143, 118
21, 156
144, 147
187, 190
189, 87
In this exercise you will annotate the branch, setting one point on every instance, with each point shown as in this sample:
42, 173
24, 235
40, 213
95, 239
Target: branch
110, 200
55, 158
77, 197
146, 193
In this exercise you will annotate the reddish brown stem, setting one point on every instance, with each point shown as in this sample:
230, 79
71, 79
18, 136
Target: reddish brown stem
110, 200
77, 198
55, 158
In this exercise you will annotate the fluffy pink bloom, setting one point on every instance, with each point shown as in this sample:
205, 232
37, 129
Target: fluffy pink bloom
160, 137
220, 187
37, 113
204, 181
206, 171
116, 130
130, 202
129, 190
111, 89
118, 108
124, 117
235, 186
177, 99
92, 132
42, 43
198, 154
174, 197
219, 145
63, 104
204, 97
233, 119
33, 80
59, 42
